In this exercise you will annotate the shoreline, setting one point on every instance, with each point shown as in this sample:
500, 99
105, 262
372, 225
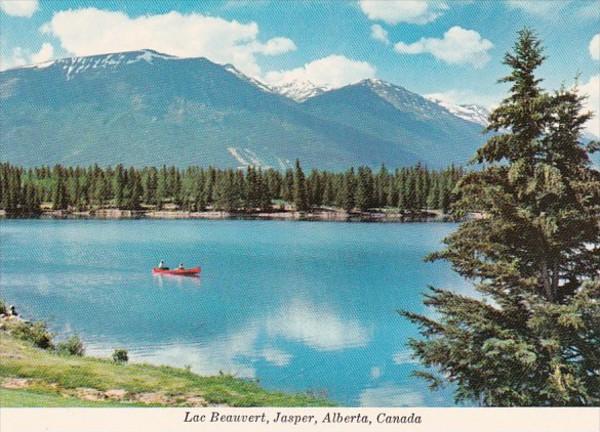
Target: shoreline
320, 215
110, 383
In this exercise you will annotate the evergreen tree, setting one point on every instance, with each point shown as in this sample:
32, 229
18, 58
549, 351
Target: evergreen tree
393, 196
59, 195
176, 186
4, 186
300, 194
347, 191
225, 193
199, 192
364, 190
533, 338
119, 186
31, 204
135, 190
273, 181
288, 186
151, 186
315, 188
210, 185
328, 190
409, 193
253, 192
381, 191
162, 191
74, 188
103, 189
433, 198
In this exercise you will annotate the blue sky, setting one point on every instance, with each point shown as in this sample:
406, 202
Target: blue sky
452, 49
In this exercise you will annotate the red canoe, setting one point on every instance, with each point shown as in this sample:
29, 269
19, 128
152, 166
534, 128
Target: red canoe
178, 272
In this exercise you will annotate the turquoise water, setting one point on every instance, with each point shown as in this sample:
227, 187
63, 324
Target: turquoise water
301, 306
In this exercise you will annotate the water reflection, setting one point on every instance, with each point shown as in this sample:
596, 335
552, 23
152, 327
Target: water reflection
176, 280
235, 352
389, 394
317, 326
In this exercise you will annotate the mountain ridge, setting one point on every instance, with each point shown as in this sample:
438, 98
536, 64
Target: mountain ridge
145, 107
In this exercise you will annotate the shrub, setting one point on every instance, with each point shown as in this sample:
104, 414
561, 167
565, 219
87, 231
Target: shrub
3, 308
37, 333
120, 355
72, 346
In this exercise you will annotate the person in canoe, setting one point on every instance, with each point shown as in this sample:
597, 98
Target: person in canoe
180, 266
162, 266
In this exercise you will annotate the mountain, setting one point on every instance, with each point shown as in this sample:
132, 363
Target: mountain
408, 120
147, 108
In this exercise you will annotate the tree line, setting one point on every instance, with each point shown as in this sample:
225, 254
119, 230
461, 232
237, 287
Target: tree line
24, 190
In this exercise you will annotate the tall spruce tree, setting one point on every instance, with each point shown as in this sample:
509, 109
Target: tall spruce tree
135, 190
300, 193
364, 189
59, 194
119, 184
532, 337
288, 186
150, 186
162, 187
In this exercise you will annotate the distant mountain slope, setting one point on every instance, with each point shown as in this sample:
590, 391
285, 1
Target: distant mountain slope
147, 108
407, 119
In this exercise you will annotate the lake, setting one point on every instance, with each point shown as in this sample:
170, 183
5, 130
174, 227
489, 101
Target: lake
301, 306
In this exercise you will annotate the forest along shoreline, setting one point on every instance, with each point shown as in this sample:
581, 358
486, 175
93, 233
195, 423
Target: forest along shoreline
403, 195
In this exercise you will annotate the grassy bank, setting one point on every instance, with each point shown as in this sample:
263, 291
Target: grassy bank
30, 376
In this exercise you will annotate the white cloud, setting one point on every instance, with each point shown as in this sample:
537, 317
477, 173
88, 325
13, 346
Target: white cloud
458, 46
408, 11
595, 47
461, 96
21, 57
552, 9
45, 53
184, 35
589, 10
331, 71
454, 97
17, 58
591, 89
537, 7
380, 34
276, 46
19, 8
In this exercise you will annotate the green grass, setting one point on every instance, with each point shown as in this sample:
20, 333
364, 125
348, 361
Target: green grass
53, 374
10, 398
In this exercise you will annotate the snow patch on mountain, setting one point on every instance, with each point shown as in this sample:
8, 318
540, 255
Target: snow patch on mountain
300, 90
231, 68
470, 112
247, 157
76, 65
404, 100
